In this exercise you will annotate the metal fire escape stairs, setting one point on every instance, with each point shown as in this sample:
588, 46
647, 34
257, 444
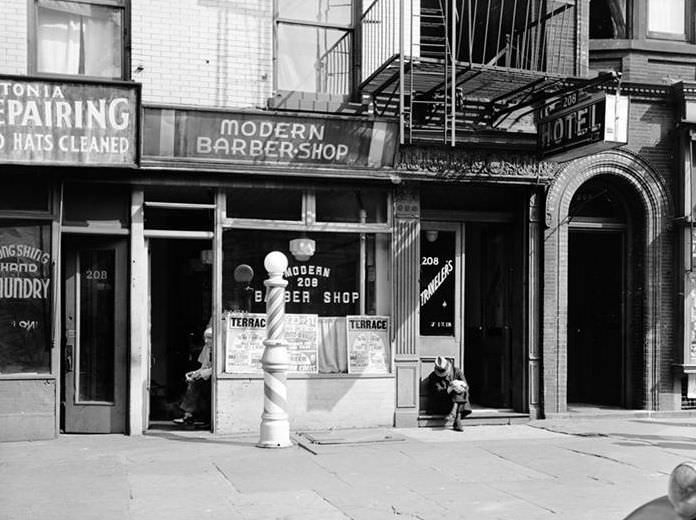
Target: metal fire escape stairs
468, 68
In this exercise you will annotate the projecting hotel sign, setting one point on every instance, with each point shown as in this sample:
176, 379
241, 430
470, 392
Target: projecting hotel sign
575, 126
266, 138
59, 122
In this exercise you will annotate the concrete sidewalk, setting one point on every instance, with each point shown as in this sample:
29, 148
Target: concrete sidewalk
564, 469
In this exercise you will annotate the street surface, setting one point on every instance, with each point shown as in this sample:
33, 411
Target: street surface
570, 469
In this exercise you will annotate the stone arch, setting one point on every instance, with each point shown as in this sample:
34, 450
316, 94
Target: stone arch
654, 198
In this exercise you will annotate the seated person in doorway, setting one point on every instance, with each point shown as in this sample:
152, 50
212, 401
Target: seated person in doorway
448, 379
196, 401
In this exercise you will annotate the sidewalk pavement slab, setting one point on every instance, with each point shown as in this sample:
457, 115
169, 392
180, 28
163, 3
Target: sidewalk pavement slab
574, 470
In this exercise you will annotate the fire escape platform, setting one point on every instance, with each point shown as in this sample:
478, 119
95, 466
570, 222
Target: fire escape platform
487, 98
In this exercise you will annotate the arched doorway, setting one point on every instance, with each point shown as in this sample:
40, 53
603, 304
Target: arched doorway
602, 265
639, 208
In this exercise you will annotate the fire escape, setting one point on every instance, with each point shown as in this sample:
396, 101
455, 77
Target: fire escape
456, 70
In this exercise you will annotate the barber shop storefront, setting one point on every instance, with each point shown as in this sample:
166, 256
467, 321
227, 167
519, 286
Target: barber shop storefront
220, 191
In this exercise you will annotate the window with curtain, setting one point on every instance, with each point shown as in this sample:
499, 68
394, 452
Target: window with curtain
314, 46
667, 17
79, 38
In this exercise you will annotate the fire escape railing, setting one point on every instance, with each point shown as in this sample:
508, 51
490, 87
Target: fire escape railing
456, 38
334, 67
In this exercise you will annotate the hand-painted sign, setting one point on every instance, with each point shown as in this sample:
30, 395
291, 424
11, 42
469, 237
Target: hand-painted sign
575, 126
267, 138
68, 122
25, 298
437, 283
317, 287
368, 340
245, 332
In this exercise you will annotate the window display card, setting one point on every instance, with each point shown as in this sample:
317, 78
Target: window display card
368, 340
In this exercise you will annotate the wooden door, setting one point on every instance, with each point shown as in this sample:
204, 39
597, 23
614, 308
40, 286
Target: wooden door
95, 335
488, 336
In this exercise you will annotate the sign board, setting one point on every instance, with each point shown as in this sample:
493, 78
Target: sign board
267, 138
245, 332
576, 126
65, 122
244, 335
368, 338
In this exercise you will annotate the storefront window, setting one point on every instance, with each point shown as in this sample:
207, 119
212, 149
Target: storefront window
24, 193
351, 205
344, 277
25, 298
260, 203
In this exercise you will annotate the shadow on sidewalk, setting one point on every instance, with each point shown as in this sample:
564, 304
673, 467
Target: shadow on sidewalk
196, 437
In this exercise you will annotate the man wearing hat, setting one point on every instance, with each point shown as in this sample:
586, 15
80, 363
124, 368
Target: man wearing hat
448, 379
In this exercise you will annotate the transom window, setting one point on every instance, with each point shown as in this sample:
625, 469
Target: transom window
80, 37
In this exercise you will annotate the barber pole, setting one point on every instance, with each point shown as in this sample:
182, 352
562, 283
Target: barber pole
275, 429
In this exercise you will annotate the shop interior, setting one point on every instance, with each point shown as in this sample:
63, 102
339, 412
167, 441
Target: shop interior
180, 308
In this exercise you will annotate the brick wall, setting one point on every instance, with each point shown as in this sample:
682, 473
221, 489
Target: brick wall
13, 37
203, 52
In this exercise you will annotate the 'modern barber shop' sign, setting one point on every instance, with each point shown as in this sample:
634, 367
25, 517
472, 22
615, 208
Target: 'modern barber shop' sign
266, 138
60, 122
575, 126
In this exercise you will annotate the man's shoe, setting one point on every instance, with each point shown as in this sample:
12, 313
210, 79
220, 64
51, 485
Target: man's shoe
458, 426
185, 420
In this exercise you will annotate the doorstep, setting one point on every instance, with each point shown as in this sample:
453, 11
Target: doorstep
478, 416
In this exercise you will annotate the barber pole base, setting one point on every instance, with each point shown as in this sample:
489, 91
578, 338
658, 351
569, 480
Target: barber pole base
275, 428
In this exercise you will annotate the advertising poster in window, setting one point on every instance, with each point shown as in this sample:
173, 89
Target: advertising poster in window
302, 337
437, 283
368, 340
25, 299
244, 335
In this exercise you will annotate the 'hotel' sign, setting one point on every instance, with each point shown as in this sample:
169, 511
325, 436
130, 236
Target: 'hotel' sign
574, 127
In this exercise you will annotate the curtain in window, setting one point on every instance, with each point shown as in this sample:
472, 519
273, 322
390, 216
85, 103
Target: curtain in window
77, 38
666, 16
333, 355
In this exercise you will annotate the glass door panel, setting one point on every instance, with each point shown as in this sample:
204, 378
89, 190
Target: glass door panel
96, 352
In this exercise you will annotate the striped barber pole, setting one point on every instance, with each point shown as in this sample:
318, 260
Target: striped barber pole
275, 428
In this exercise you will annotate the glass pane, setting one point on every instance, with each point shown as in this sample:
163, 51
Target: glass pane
327, 284
437, 283
269, 204
75, 38
25, 298
346, 205
24, 193
312, 59
96, 350
666, 16
319, 11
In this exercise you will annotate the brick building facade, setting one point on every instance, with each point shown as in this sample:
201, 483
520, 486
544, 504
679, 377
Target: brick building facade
157, 151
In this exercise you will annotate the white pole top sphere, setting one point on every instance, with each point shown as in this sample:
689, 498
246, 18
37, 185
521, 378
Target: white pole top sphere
275, 262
